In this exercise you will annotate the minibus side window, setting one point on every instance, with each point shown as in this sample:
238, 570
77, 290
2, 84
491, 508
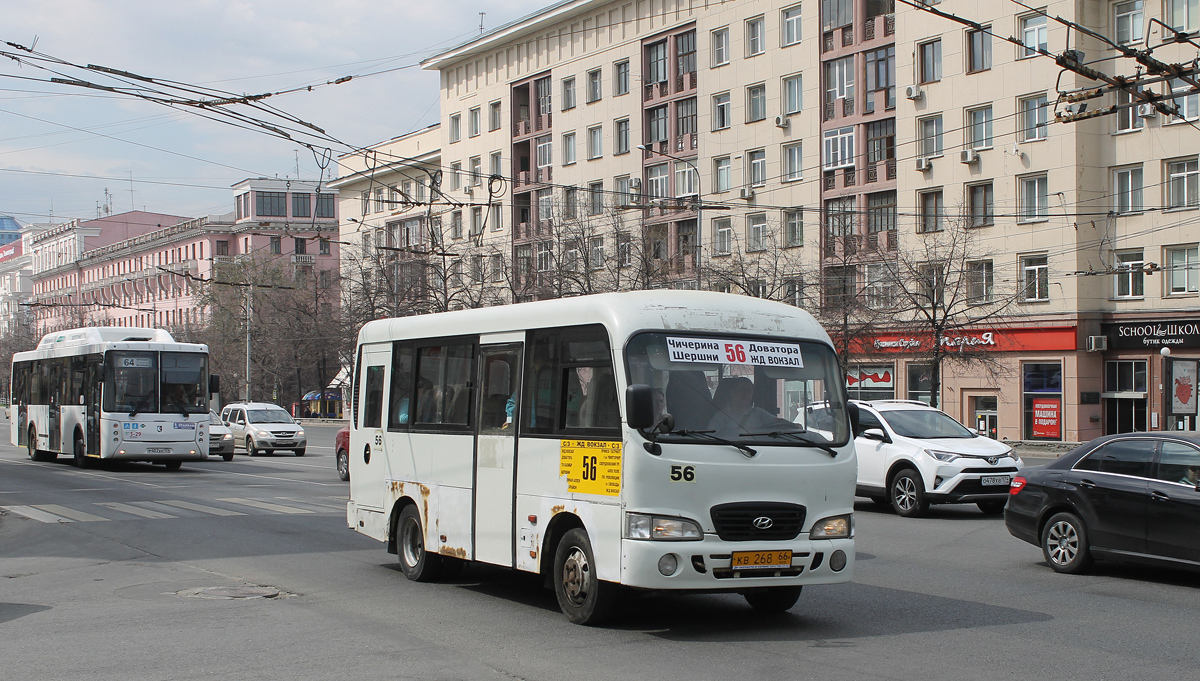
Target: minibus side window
373, 408
444, 385
402, 378
570, 384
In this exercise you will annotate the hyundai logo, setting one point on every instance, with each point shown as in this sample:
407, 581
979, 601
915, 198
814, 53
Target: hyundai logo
762, 522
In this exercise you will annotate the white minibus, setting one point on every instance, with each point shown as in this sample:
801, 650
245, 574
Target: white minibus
650, 440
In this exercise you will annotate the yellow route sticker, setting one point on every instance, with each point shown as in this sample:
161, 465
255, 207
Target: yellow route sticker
591, 466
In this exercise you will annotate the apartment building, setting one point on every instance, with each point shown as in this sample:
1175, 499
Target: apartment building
809, 152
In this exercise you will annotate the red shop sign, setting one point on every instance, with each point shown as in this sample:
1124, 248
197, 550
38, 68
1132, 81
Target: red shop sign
1046, 417
1000, 340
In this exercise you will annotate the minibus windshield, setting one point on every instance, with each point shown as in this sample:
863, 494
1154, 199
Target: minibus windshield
742, 388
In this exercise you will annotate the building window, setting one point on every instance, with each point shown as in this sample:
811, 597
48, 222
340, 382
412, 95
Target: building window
839, 79
455, 127
685, 53
621, 136
541, 90
881, 76
326, 206
1183, 270
1128, 281
494, 116
1033, 35
838, 148
1034, 194
596, 252
455, 177
686, 181
881, 141
1183, 183
301, 205
930, 56
496, 164
621, 78
595, 85
756, 103
545, 151
881, 212
595, 142
476, 221
793, 95
756, 162
685, 117
979, 50
476, 176
221, 248
1042, 392
722, 236
568, 152
791, 25
1127, 188
722, 117
656, 124
323, 246
756, 231
495, 217
1128, 21
568, 93
545, 204
270, 204
839, 287
793, 227
840, 217
722, 174
980, 205
595, 198
456, 223
1183, 15
474, 122
755, 43
657, 181
720, 47
300, 246
979, 281
656, 62
1033, 118
932, 211
979, 128
1035, 277
930, 131
881, 286
276, 245
1127, 118
623, 194
836, 14
793, 165
1187, 100
570, 201
545, 256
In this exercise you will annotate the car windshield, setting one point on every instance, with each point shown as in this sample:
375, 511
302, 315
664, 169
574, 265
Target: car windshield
925, 424
268, 416
741, 389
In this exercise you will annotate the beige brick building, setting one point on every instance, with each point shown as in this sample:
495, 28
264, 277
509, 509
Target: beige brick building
850, 156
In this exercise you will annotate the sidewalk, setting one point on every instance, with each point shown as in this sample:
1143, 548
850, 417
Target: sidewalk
1040, 453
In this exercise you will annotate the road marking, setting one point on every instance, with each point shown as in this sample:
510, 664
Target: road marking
199, 507
310, 502
34, 514
265, 505
69, 513
134, 510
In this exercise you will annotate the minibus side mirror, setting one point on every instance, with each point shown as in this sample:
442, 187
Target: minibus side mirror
214, 384
855, 423
102, 372
639, 405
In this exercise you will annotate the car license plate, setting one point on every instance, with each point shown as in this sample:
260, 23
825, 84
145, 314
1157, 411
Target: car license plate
995, 480
761, 560
158, 450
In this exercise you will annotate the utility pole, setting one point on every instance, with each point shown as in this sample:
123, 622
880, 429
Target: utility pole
249, 302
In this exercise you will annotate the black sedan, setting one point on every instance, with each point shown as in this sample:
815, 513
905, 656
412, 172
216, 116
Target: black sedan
1132, 497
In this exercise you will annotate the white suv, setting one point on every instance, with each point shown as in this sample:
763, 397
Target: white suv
263, 428
911, 455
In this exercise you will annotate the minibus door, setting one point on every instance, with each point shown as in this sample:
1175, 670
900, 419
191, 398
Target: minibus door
497, 404
368, 457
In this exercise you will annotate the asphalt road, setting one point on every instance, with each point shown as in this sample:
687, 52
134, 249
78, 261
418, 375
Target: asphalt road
117, 594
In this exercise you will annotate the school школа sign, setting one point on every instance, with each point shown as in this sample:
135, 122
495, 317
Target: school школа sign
1153, 335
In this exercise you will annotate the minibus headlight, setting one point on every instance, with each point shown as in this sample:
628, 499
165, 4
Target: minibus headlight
834, 527
661, 528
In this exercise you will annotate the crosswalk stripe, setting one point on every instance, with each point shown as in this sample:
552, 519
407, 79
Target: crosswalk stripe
70, 513
134, 510
34, 514
266, 506
316, 504
199, 507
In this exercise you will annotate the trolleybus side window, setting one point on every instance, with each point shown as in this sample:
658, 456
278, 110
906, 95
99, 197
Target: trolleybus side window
571, 386
444, 385
373, 407
401, 394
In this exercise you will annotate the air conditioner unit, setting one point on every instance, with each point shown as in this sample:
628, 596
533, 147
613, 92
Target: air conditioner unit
924, 164
746, 193
914, 92
781, 121
635, 183
1097, 343
1146, 111
969, 156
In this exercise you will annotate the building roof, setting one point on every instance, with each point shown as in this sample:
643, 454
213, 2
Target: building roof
9, 224
513, 29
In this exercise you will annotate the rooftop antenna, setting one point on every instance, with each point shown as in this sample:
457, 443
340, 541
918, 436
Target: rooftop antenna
132, 205
481, 16
297, 152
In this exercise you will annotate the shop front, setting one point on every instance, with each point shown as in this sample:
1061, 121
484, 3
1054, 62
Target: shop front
1150, 371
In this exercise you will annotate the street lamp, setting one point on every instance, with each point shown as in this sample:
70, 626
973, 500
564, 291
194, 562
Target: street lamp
699, 205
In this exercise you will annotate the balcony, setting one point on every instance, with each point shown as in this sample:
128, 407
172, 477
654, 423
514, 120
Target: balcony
304, 259
653, 91
883, 25
531, 125
686, 142
685, 82
883, 170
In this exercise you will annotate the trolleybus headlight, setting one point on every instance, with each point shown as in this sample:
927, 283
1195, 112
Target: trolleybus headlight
834, 527
641, 526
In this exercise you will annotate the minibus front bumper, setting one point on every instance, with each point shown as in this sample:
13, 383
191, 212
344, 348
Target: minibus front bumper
705, 565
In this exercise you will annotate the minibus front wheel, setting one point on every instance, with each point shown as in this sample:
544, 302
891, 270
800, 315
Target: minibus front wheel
582, 596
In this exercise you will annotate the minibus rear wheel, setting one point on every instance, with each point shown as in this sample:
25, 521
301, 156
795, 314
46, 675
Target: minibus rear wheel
416, 563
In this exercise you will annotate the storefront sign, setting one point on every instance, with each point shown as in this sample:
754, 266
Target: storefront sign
1059, 338
10, 250
1183, 387
1138, 335
1046, 421
870, 376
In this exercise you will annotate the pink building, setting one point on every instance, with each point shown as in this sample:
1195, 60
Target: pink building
142, 269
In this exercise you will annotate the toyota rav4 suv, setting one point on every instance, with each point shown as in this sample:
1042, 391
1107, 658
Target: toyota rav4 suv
911, 455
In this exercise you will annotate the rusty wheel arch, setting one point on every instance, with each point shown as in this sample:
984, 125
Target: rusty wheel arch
559, 525
394, 518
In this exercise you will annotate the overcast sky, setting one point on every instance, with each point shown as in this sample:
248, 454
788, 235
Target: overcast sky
49, 132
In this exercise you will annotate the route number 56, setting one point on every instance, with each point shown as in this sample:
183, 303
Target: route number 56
684, 473
735, 353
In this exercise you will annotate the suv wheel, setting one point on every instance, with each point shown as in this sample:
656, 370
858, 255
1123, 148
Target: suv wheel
907, 494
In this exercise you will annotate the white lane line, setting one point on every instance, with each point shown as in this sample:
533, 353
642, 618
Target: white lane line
134, 510
199, 507
62, 470
34, 514
272, 477
69, 513
253, 503
310, 502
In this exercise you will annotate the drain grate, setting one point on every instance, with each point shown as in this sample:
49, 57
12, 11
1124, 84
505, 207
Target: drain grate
231, 592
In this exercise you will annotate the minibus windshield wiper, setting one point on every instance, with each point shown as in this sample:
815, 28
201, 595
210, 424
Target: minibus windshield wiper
708, 435
796, 436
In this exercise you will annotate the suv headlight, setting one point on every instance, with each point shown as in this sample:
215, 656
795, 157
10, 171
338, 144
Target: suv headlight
833, 527
945, 457
661, 528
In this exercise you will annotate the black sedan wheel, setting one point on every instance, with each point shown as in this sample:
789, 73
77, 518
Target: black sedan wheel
1065, 544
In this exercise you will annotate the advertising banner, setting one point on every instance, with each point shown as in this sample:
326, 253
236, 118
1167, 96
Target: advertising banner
1046, 417
1058, 338
1183, 387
